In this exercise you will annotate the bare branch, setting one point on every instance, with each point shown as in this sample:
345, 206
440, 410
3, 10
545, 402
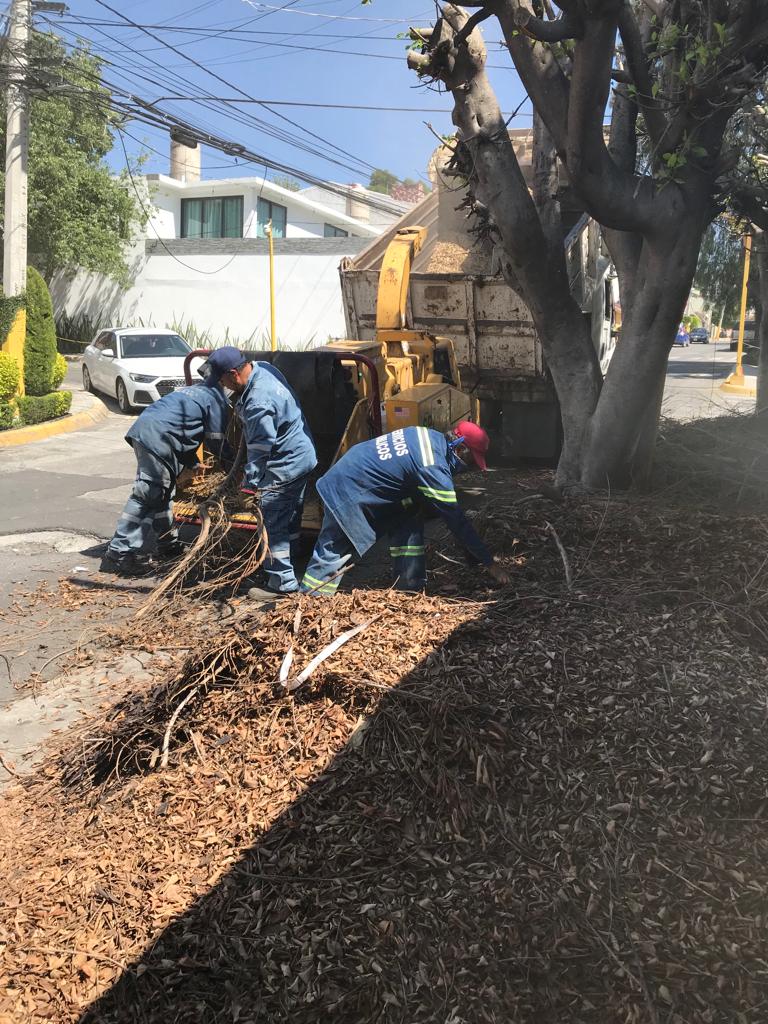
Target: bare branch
614, 197
638, 68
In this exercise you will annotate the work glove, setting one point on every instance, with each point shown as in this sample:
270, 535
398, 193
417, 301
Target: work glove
250, 499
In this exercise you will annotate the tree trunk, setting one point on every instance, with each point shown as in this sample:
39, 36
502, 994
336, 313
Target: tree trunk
621, 434
531, 259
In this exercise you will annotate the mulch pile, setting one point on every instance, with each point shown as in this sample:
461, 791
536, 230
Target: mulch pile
545, 803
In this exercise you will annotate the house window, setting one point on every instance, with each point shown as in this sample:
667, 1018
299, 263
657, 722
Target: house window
212, 217
266, 212
331, 231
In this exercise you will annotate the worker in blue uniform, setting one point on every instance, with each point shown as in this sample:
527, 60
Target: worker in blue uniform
280, 455
386, 487
165, 439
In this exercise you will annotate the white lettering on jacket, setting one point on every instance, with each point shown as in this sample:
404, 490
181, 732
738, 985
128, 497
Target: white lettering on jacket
398, 440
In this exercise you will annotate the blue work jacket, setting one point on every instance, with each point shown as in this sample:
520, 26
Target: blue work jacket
278, 442
175, 426
378, 483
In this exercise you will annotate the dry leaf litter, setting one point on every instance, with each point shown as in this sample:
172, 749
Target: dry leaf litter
545, 803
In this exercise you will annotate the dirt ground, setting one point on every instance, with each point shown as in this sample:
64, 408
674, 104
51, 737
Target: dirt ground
540, 803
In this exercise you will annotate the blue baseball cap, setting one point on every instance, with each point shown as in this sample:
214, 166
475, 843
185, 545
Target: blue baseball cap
221, 361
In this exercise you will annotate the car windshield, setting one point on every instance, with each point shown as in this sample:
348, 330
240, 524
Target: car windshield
147, 346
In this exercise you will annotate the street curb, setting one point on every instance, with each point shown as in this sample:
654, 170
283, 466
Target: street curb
64, 425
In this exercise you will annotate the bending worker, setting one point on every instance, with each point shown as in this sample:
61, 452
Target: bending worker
280, 455
165, 439
387, 486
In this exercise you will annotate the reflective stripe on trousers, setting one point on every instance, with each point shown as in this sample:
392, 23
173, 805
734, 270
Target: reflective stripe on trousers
333, 550
147, 514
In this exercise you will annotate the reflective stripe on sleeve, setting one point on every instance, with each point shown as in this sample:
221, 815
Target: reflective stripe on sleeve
214, 436
447, 497
259, 447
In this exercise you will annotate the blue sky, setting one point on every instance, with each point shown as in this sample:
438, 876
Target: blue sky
310, 51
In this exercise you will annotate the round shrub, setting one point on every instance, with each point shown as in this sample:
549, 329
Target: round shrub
39, 408
9, 376
40, 341
59, 371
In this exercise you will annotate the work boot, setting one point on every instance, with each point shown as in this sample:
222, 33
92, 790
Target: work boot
265, 594
129, 564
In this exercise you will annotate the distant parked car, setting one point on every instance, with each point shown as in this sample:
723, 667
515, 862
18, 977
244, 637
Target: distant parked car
701, 335
683, 337
135, 365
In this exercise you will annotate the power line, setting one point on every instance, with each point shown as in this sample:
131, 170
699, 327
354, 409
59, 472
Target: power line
213, 74
246, 119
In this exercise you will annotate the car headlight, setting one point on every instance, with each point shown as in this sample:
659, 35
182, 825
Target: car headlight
141, 378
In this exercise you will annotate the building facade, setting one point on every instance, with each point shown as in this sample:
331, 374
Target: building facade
204, 258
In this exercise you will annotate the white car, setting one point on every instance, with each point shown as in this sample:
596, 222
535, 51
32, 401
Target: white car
136, 365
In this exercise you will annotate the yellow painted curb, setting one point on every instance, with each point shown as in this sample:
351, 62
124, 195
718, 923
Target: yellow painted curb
738, 389
62, 425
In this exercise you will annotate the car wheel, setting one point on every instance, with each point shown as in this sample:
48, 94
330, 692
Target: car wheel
87, 382
122, 398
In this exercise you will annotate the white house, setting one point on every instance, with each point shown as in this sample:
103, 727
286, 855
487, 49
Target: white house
204, 257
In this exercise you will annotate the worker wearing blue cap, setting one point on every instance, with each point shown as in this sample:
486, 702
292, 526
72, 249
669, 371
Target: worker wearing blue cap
165, 439
280, 454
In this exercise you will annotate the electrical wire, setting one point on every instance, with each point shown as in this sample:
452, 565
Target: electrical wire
230, 85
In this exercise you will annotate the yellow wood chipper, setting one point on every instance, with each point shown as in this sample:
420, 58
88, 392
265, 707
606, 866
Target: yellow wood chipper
351, 391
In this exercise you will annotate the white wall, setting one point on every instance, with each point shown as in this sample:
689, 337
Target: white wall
234, 294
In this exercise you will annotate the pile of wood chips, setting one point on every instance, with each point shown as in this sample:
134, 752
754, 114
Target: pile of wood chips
545, 803
451, 258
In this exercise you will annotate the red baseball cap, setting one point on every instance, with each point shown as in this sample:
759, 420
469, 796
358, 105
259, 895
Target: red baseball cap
476, 439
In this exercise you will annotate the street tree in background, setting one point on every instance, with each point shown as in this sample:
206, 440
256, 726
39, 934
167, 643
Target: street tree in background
682, 72
719, 271
748, 193
80, 214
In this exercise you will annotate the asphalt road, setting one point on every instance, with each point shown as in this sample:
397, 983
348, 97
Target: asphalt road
694, 376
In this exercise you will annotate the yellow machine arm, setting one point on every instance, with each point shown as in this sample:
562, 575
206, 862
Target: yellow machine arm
395, 276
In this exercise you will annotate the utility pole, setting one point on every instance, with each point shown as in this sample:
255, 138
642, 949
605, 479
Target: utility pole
17, 136
16, 145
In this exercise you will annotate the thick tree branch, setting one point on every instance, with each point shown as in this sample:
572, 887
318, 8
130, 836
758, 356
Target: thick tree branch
566, 27
637, 63
614, 197
542, 77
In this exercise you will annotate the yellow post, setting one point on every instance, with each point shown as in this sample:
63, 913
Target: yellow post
735, 382
272, 337
14, 344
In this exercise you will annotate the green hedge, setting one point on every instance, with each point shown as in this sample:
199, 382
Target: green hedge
38, 409
7, 414
59, 371
40, 342
9, 376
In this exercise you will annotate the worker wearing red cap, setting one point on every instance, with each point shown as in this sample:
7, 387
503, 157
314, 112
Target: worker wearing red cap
386, 487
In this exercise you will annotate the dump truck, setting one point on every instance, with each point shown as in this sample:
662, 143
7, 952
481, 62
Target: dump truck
454, 293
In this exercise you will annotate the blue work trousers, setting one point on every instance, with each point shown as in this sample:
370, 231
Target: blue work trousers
333, 550
147, 515
282, 508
